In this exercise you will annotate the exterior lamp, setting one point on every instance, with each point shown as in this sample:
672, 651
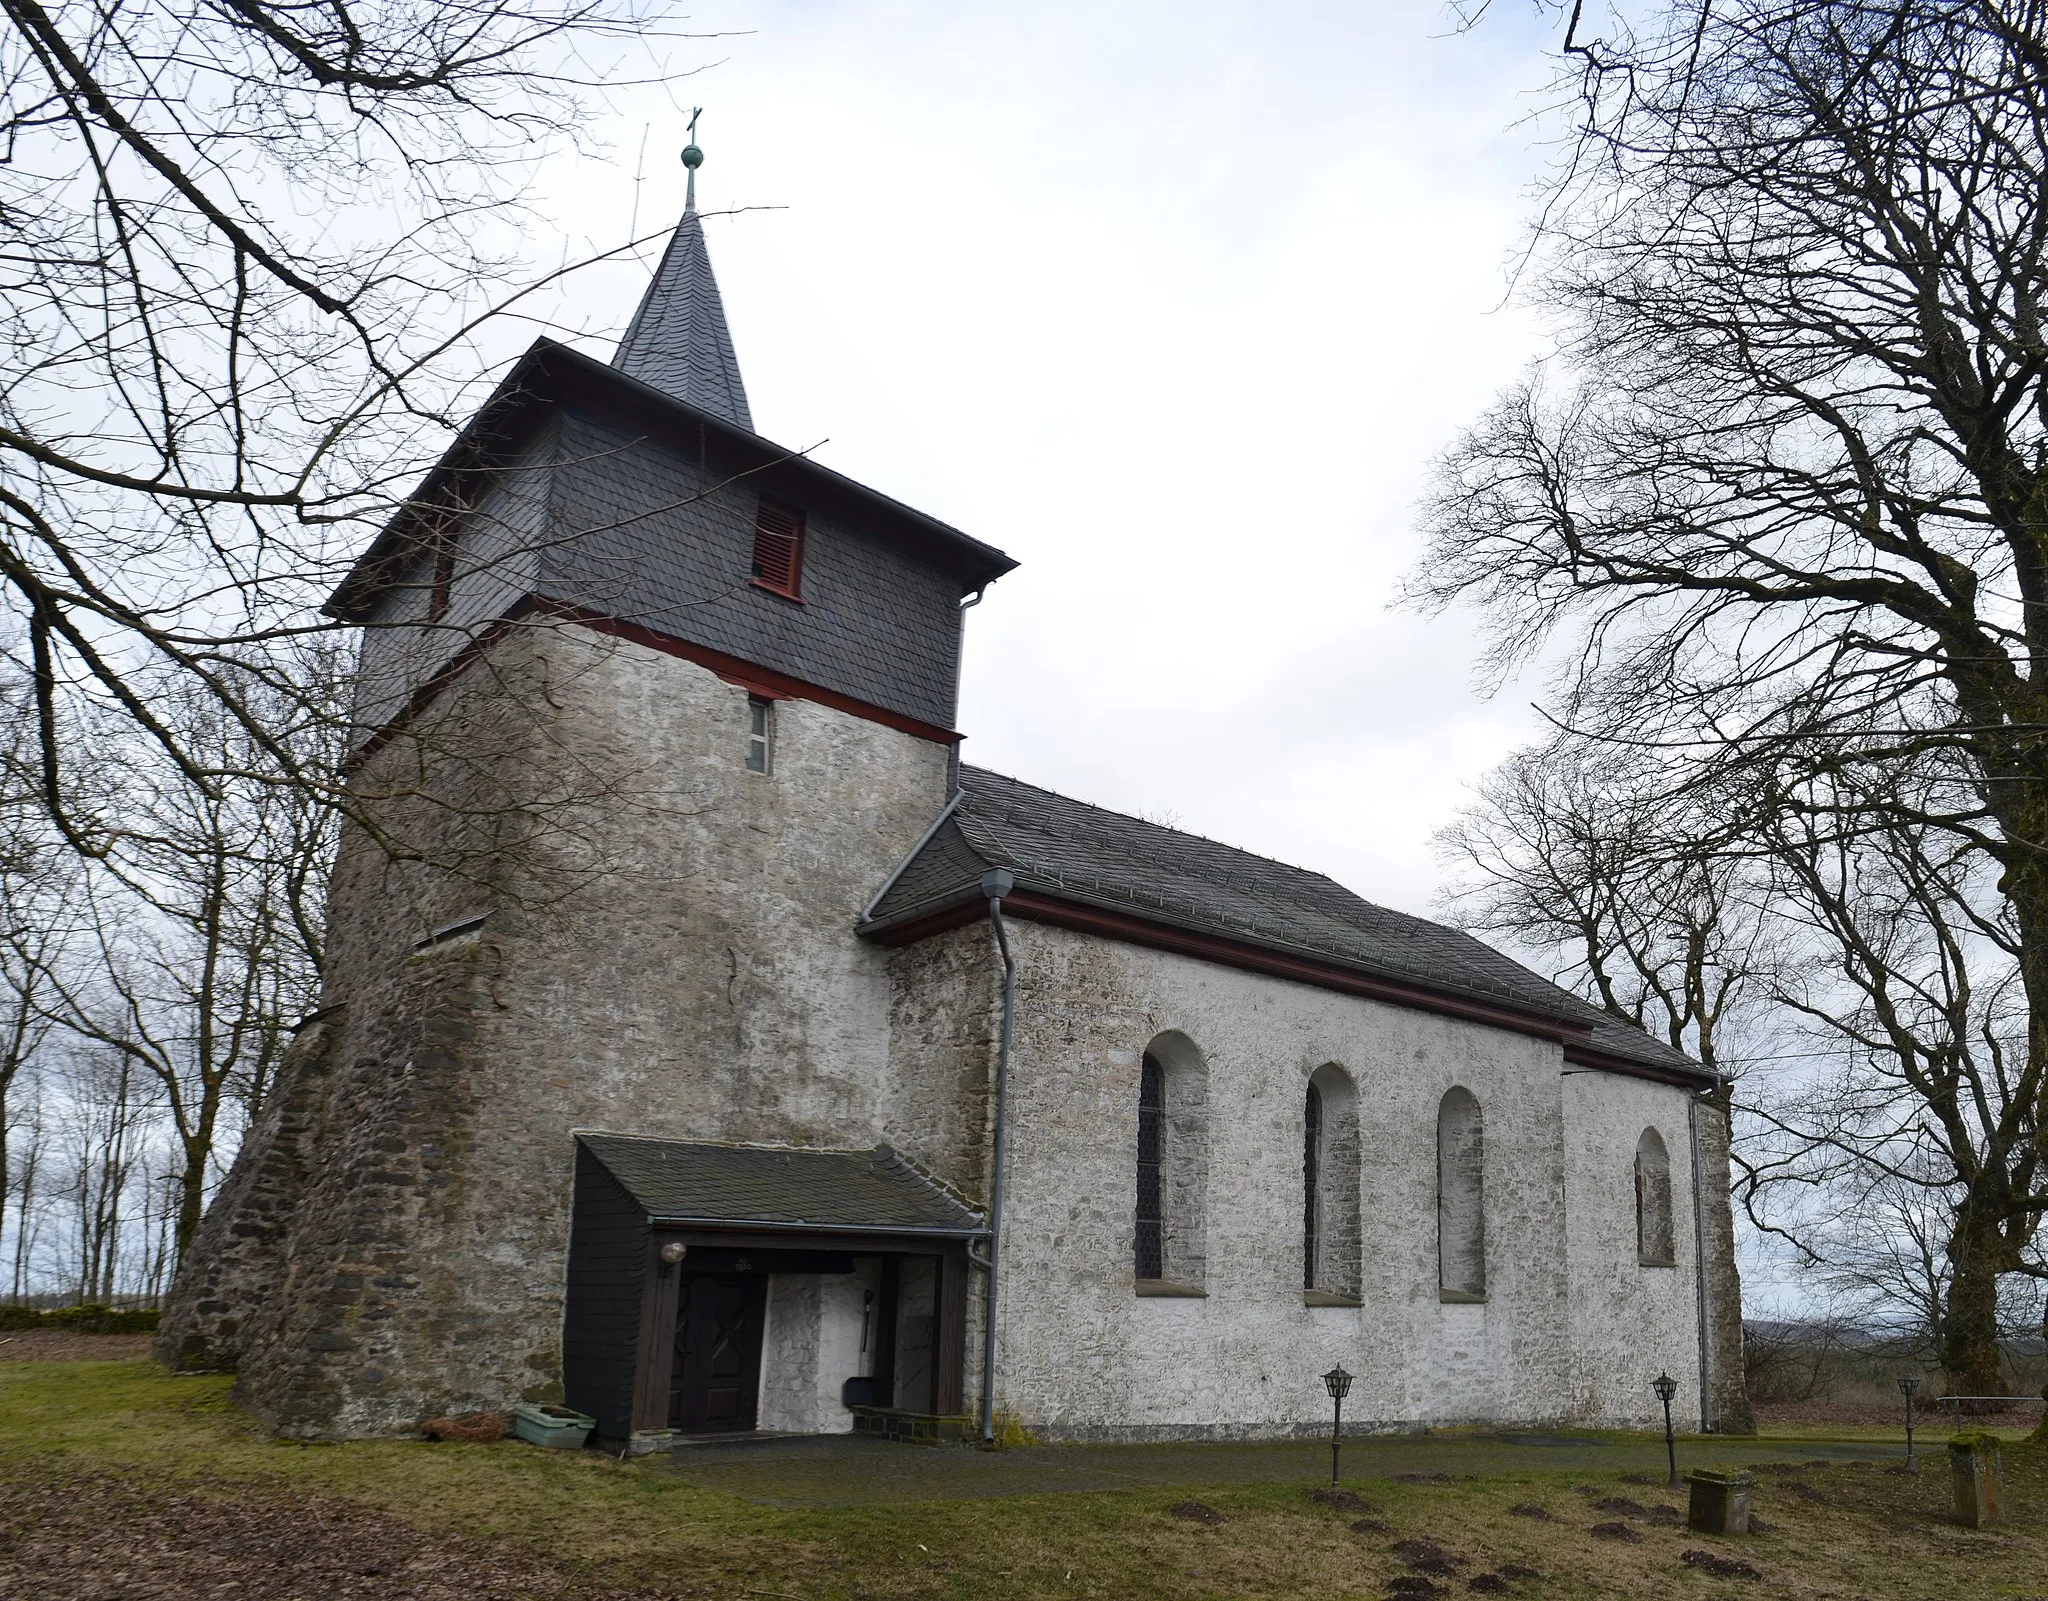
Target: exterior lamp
1907, 1386
1666, 1387
1338, 1383
670, 1254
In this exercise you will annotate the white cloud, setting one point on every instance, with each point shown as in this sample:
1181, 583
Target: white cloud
1173, 303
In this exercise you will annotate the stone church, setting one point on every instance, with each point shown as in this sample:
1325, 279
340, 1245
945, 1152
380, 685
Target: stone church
706, 1047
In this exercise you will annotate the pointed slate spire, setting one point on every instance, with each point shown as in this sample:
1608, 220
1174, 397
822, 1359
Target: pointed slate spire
678, 340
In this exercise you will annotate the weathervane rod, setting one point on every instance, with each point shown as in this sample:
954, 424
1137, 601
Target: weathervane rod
693, 158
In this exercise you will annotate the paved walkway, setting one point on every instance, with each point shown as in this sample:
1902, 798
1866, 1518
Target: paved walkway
840, 1470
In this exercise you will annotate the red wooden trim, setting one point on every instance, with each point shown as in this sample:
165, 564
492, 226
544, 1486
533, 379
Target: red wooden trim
424, 696
779, 548
1138, 930
779, 594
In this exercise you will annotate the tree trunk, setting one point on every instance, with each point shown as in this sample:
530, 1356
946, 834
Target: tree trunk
1970, 1349
191, 1202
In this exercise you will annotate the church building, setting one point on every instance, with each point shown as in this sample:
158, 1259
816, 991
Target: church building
707, 1047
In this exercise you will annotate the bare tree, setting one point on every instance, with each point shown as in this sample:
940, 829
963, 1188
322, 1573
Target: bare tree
1936, 1092
1578, 853
102, 1132
1786, 480
1854, 972
1885, 1255
197, 947
22, 1177
37, 919
251, 250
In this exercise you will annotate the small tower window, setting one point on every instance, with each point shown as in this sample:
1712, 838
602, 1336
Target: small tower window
760, 733
778, 548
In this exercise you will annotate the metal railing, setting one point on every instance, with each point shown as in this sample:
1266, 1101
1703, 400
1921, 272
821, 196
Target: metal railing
2002, 1400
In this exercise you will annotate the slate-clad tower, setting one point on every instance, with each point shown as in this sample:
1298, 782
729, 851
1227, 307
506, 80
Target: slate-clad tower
649, 707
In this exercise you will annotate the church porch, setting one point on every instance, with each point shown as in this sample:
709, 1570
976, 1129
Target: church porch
719, 1290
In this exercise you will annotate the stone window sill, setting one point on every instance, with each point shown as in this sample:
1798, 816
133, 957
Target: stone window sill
1655, 1261
1328, 1298
1167, 1289
1460, 1298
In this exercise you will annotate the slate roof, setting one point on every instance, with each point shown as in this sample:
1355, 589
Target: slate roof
668, 542
870, 1192
678, 341
1074, 852
551, 375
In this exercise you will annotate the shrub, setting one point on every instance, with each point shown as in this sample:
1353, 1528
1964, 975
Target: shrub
83, 1319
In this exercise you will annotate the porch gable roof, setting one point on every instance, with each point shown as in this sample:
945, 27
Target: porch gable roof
677, 1182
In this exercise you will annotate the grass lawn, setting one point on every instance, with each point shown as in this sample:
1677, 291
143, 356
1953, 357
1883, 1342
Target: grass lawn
87, 1449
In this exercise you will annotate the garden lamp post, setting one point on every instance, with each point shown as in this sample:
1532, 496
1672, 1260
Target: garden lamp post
1666, 1387
1907, 1386
1338, 1383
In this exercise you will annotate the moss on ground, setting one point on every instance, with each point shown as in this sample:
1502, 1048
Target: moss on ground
1855, 1532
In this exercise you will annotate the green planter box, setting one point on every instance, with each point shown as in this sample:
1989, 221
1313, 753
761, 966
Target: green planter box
553, 1426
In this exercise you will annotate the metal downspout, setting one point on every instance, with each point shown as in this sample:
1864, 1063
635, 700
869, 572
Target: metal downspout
1699, 1251
995, 884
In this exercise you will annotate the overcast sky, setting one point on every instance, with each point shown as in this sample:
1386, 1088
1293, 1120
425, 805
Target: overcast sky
1174, 303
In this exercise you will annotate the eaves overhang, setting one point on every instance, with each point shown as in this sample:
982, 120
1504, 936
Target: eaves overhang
1161, 930
673, 1220
551, 374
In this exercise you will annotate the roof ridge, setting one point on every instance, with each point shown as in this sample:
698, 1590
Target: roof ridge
1189, 834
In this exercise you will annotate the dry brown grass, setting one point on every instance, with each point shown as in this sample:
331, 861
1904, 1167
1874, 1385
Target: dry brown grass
562, 1522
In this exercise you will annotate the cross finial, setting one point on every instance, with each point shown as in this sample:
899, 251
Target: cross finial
693, 158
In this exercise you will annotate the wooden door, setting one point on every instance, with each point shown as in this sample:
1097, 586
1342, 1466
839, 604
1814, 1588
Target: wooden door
714, 1379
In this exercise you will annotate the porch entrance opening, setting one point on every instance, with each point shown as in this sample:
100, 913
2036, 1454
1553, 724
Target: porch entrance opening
715, 1372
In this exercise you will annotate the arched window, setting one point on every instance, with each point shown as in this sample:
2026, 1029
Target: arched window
1311, 1181
1460, 1198
1653, 1202
1151, 1138
1329, 1169
1170, 1244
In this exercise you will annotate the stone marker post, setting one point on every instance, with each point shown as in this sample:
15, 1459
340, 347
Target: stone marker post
1974, 1458
1720, 1501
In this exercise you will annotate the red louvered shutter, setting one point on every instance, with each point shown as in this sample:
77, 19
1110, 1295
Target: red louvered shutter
778, 547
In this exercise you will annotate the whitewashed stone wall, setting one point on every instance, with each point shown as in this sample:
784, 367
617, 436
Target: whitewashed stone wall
1082, 1355
812, 1345
1630, 1322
